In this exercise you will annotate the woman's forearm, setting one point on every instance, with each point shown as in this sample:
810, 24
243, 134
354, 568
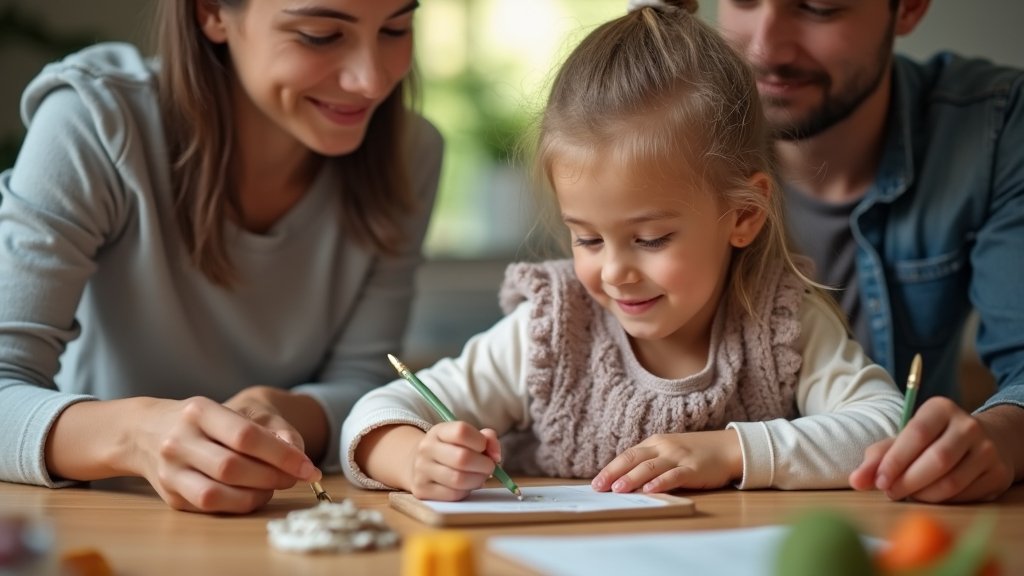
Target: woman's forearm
94, 440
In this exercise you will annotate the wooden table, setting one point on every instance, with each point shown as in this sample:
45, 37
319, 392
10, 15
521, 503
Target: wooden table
140, 535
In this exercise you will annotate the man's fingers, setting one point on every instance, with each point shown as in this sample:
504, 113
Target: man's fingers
930, 422
951, 484
863, 478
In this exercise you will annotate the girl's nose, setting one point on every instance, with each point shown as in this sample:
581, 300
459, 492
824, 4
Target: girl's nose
617, 269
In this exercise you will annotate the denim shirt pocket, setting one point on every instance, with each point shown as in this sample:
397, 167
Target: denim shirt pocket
928, 295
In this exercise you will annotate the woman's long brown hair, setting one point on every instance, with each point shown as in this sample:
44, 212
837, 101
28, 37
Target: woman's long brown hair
197, 115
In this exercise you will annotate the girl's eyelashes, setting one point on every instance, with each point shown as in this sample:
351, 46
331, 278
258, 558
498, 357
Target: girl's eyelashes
655, 243
586, 242
642, 242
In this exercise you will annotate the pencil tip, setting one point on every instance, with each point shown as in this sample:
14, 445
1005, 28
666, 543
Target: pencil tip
518, 493
395, 362
915, 372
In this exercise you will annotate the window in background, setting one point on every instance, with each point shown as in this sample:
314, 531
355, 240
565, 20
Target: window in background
485, 67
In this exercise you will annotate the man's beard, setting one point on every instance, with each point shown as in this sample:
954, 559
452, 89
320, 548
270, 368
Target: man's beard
834, 108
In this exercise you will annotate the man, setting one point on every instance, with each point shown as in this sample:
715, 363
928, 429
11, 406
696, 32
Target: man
905, 183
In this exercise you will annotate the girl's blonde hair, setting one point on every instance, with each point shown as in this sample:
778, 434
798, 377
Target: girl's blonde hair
197, 115
659, 86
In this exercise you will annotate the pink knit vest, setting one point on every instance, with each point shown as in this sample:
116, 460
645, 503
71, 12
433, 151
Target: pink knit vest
591, 399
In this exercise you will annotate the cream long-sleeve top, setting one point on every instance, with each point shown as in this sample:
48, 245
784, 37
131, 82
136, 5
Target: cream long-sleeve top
844, 401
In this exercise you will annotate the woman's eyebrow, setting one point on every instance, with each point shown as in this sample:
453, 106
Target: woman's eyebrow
324, 12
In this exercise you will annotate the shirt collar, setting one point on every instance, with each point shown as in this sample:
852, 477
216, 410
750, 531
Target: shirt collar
895, 171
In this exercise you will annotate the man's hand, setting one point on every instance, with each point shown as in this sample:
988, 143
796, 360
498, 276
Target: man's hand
945, 454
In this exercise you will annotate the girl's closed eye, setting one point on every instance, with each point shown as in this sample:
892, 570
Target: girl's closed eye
586, 242
654, 243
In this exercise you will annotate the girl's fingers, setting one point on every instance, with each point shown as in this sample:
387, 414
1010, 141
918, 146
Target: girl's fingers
459, 446
629, 470
435, 491
454, 479
493, 447
644, 472
460, 434
677, 477
459, 458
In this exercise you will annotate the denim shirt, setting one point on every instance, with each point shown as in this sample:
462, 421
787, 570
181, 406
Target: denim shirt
942, 228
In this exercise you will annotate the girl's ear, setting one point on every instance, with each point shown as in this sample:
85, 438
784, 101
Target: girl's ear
750, 219
208, 17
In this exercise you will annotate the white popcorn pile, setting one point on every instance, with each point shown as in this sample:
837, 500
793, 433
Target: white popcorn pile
331, 527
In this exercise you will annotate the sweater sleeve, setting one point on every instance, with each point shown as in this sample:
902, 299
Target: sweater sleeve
846, 403
484, 386
59, 204
358, 359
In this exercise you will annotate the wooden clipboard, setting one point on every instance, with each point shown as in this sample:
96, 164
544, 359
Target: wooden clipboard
678, 506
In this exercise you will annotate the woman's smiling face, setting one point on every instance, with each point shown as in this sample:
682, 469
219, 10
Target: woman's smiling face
316, 70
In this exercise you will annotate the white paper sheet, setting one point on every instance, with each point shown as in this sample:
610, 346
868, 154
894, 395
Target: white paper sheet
740, 552
579, 498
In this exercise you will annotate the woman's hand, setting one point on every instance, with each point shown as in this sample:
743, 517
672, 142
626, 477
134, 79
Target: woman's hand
202, 456
945, 454
666, 461
296, 418
452, 460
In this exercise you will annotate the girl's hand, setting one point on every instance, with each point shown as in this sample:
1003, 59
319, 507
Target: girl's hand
452, 460
944, 455
666, 461
202, 456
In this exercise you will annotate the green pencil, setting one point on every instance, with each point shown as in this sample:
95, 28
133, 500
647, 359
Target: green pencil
913, 380
447, 416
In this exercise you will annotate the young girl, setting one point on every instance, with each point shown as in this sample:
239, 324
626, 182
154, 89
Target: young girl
203, 255
681, 347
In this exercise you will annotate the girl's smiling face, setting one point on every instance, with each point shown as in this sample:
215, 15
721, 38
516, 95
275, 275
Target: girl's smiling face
652, 249
313, 71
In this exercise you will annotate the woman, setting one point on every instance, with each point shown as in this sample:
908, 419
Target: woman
212, 252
